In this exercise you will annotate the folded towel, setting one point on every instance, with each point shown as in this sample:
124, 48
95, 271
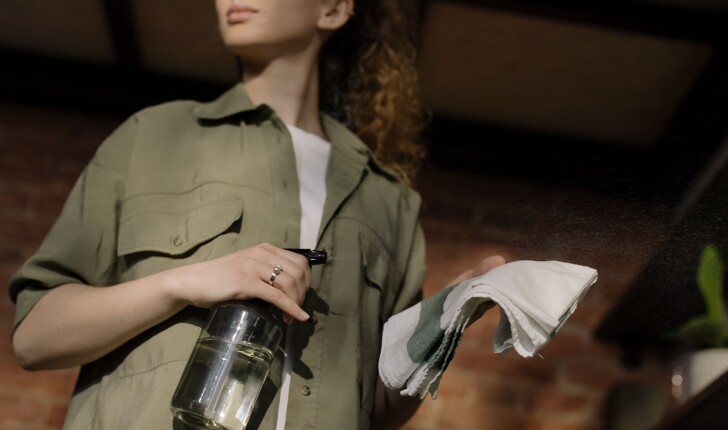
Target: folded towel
536, 298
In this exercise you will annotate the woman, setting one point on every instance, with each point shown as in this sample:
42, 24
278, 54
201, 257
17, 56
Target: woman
189, 204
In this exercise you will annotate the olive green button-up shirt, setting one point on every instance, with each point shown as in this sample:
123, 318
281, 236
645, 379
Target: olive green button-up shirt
185, 182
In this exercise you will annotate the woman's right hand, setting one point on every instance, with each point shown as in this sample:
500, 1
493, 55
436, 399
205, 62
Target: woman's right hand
74, 324
244, 275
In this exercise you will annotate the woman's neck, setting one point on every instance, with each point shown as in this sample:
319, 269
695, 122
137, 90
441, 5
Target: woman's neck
290, 86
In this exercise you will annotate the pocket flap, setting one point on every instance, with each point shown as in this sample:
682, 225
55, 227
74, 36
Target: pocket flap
376, 266
173, 232
375, 260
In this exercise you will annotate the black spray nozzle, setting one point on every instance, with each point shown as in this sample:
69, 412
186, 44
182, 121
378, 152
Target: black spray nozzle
313, 256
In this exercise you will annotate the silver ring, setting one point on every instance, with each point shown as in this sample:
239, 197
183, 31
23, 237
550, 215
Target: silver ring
277, 269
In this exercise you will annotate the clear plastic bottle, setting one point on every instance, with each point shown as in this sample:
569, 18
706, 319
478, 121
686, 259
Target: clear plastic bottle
229, 364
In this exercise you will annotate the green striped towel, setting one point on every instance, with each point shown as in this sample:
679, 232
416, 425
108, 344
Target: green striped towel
536, 298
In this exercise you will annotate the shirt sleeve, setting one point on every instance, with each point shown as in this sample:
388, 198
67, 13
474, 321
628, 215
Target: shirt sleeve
81, 246
411, 253
411, 292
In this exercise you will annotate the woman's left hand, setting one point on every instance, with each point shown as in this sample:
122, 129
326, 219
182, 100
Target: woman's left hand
483, 267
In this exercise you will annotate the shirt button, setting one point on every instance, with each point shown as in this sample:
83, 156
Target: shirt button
306, 390
177, 241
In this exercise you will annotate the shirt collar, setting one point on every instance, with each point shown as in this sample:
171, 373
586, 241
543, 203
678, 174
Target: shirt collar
351, 146
236, 101
233, 101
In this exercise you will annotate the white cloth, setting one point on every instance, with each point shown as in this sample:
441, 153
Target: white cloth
312, 158
536, 298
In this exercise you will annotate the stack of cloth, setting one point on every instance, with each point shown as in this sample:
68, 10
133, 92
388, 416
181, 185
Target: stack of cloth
535, 297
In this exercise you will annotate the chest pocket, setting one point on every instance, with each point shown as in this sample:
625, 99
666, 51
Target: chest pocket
166, 230
159, 232
378, 272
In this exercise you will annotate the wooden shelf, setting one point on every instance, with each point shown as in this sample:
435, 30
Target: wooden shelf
707, 410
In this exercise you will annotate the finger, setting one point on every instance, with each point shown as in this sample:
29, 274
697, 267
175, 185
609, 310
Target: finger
487, 264
484, 266
298, 268
280, 300
289, 285
300, 262
293, 263
295, 272
291, 278
463, 276
267, 272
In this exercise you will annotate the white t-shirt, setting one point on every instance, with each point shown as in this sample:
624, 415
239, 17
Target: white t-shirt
312, 158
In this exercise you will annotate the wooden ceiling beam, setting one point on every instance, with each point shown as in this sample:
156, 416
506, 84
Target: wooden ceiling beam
699, 126
494, 150
700, 26
92, 87
476, 147
122, 26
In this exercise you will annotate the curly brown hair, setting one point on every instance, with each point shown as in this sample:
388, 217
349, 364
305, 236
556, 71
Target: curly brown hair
369, 80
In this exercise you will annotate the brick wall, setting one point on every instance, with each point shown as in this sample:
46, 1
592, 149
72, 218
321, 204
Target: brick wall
467, 216
42, 151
